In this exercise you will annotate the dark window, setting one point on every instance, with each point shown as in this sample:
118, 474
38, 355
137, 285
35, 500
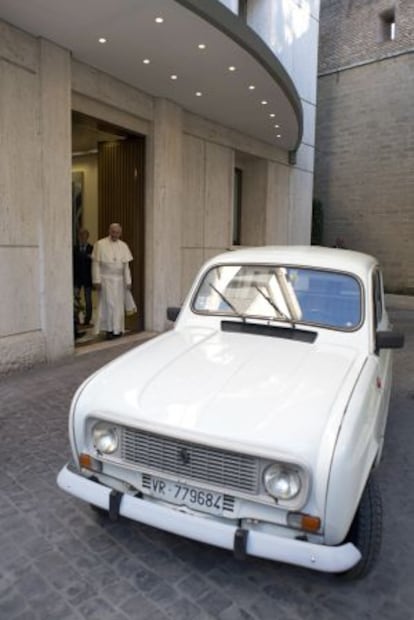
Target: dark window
243, 9
387, 25
237, 205
377, 292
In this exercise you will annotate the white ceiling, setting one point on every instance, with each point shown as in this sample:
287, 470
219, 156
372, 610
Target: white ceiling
172, 47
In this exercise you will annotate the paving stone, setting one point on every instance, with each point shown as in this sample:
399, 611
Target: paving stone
194, 586
183, 609
11, 604
234, 612
61, 561
140, 607
120, 591
214, 602
97, 608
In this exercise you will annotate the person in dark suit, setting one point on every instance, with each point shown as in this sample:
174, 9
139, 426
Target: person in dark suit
82, 271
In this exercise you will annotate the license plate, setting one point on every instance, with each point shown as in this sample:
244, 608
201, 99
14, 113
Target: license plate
184, 495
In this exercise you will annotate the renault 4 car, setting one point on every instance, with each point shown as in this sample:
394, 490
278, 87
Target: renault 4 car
256, 423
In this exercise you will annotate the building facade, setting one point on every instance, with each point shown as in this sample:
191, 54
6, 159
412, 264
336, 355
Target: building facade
59, 71
364, 166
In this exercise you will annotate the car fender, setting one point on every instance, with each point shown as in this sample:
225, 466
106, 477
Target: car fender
355, 452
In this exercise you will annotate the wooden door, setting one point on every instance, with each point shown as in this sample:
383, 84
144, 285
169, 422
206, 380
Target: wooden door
121, 174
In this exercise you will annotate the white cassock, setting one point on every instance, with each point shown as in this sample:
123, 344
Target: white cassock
110, 269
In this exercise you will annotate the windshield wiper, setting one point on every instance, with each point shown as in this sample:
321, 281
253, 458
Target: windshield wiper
226, 301
275, 306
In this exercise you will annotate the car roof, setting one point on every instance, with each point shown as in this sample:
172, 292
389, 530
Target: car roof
305, 256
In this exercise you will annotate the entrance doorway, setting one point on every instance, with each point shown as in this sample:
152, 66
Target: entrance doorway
108, 185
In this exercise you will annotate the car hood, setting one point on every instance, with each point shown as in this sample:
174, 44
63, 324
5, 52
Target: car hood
257, 394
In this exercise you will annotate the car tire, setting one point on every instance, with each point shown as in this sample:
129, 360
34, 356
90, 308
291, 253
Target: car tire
366, 531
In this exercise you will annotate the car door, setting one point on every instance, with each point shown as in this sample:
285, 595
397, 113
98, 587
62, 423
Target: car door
384, 358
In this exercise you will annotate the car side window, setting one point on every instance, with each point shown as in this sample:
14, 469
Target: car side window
377, 293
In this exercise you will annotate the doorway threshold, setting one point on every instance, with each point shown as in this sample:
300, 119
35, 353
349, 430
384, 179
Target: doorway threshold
137, 338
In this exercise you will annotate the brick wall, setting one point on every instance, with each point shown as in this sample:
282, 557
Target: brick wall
350, 31
364, 164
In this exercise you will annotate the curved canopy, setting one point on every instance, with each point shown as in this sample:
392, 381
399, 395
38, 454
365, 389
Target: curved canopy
197, 54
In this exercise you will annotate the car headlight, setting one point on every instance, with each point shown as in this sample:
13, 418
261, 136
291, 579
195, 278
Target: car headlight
105, 437
282, 481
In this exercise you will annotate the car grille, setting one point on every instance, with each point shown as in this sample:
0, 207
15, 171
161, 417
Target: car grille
189, 460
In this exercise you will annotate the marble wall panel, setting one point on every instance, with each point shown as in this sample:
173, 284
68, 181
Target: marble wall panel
218, 195
107, 89
277, 205
20, 156
194, 192
212, 252
55, 223
19, 282
253, 220
22, 351
167, 206
309, 123
224, 136
191, 261
305, 157
18, 47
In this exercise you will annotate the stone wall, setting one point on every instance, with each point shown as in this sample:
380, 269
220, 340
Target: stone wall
351, 31
364, 166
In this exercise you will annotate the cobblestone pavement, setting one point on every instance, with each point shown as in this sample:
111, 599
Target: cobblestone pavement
59, 560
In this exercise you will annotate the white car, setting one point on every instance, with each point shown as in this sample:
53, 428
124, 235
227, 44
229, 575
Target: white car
256, 423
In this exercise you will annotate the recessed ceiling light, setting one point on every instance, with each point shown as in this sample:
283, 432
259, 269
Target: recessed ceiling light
277, 126
199, 94
252, 87
102, 40
174, 77
264, 102
278, 135
232, 68
146, 61
202, 46
272, 115
159, 20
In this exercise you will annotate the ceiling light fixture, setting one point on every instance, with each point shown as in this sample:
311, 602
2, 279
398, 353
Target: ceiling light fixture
146, 61
272, 115
199, 94
159, 20
174, 77
277, 126
102, 40
264, 102
278, 135
202, 46
232, 68
252, 87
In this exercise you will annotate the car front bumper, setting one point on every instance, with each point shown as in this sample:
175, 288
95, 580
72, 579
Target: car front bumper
310, 555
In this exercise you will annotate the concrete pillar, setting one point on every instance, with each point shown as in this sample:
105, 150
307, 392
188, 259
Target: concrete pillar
55, 221
166, 215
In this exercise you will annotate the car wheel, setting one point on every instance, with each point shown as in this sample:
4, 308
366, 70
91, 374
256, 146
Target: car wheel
366, 531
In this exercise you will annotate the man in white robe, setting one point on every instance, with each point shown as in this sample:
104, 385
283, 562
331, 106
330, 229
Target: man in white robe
111, 276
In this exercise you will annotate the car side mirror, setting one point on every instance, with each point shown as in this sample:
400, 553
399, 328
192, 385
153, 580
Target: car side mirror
389, 340
172, 313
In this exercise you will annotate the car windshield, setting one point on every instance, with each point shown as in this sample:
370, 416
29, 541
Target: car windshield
281, 293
